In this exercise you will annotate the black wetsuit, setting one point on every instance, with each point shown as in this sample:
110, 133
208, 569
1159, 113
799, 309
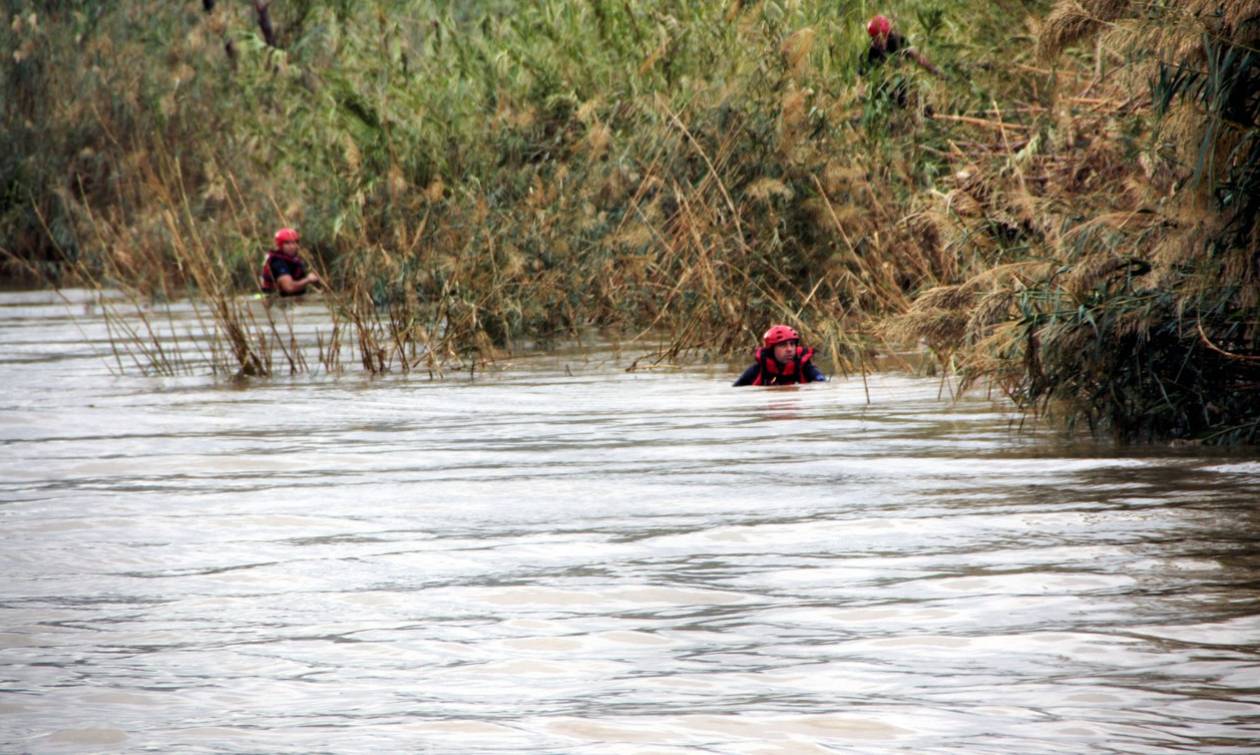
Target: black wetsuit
874, 56
277, 266
894, 86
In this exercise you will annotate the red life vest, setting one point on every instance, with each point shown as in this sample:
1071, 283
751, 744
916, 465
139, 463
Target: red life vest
770, 372
267, 281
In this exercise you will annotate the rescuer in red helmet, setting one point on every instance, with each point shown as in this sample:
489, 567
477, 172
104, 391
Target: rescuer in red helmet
886, 43
781, 361
283, 271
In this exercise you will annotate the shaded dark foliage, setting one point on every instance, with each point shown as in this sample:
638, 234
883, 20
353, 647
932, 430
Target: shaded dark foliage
1166, 382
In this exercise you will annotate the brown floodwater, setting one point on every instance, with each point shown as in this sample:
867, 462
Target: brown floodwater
561, 556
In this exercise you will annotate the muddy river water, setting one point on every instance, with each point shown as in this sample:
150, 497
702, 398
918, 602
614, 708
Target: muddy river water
561, 556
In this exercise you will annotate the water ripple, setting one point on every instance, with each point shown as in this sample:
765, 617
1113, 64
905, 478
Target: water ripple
563, 557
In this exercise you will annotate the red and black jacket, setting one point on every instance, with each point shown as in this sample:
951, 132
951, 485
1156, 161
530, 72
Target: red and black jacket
289, 264
768, 371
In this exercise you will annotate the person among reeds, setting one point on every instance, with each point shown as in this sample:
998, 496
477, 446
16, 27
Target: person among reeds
781, 361
887, 43
283, 271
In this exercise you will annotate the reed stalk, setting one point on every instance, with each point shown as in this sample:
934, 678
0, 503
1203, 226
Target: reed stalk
472, 177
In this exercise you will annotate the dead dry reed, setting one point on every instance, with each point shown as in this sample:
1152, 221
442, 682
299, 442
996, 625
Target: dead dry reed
1136, 188
677, 175
474, 182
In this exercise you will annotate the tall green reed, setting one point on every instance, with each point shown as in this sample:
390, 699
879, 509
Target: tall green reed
477, 176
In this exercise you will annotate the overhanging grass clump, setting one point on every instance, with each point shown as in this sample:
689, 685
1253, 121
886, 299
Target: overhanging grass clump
1137, 193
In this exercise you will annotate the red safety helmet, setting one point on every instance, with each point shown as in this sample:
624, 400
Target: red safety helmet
285, 234
878, 25
778, 334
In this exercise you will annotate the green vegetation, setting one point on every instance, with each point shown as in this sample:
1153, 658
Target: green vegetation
1137, 310
1077, 228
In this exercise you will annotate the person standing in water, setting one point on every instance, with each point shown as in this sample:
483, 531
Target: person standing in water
781, 361
283, 271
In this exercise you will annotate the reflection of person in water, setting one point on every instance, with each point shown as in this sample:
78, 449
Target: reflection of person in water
781, 411
781, 361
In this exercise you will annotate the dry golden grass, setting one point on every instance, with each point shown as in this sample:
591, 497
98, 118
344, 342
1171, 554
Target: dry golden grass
1141, 263
1073, 20
541, 187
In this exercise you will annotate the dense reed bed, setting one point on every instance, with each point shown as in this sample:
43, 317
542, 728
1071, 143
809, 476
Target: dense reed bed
478, 177
1136, 307
479, 174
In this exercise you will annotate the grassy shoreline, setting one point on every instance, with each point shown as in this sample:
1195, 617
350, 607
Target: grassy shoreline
470, 177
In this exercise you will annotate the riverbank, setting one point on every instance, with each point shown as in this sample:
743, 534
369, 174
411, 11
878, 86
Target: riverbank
472, 179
